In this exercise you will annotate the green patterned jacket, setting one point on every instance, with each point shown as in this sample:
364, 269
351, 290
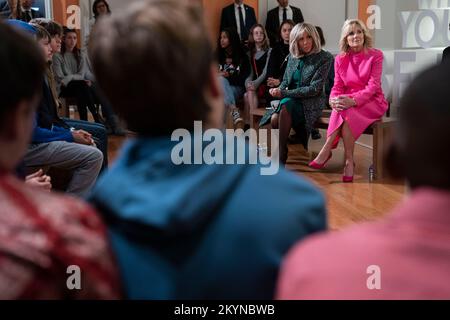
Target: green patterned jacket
311, 91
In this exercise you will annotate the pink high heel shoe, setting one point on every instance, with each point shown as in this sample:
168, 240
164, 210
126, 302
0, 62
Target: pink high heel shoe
349, 179
317, 166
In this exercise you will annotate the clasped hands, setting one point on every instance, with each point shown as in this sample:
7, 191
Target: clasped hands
83, 137
275, 92
342, 103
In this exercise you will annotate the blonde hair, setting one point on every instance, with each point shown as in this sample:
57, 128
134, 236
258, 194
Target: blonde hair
297, 32
343, 43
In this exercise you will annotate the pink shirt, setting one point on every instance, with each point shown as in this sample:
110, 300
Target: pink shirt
411, 248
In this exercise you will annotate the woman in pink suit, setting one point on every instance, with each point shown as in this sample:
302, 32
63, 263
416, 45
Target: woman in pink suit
357, 98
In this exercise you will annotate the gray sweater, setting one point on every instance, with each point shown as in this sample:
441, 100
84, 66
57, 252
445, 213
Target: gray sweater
257, 82
67, 69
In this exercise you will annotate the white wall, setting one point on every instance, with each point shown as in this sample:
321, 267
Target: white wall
117, 5
389, 36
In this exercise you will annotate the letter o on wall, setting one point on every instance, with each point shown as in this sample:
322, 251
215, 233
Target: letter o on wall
424, 14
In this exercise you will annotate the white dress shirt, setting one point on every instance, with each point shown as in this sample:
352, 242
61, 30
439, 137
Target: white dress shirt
290, 13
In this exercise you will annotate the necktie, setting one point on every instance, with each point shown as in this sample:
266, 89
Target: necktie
244, 36
284, 14
28, 16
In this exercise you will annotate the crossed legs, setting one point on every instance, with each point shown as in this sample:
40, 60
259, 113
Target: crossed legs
349, 147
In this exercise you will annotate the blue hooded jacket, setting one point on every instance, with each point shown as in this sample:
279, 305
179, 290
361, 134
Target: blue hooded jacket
201, 231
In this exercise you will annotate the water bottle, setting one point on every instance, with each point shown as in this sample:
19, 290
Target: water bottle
371, 173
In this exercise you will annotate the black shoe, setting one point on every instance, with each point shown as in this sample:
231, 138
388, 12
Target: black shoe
119, 132
315, 134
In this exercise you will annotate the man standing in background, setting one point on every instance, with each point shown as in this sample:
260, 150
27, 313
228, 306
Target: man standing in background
278, 15
239, 16
27, 12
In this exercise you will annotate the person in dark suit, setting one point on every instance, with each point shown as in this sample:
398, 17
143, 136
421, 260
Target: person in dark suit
5, 10
446, 55
278, 15
27, 13
239, 16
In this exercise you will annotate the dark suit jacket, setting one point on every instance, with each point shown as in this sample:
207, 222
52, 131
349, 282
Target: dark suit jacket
5, 11
273, 22
228, 19
34, 15
446, 55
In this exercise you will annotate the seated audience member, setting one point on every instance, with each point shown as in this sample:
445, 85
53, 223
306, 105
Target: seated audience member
410, 246
357, 97
279, 59
70, 71
100, 8
186, 231
259, 55
58, 147
277, 16
302, 90
234, 68
240, 17
446, 55
49, 110
41, 234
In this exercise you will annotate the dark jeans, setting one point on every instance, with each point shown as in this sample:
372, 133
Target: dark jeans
85, 97
98, 132
107, 111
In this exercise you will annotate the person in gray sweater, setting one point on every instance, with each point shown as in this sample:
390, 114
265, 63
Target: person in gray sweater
259, 56
70, 71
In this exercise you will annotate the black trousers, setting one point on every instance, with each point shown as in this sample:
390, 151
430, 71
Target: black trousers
85, 97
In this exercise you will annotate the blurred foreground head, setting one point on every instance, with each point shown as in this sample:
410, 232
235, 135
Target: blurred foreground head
420, 150
154, 63
22, 68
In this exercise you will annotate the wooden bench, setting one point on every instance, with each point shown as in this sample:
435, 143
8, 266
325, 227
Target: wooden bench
380, 130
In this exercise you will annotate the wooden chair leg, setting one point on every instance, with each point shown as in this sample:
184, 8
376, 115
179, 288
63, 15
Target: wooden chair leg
378, 148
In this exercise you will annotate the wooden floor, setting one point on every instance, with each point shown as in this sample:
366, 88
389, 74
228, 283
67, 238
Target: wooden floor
351, 203
347, 204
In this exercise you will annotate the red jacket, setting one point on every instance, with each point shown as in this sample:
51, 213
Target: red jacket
41, 236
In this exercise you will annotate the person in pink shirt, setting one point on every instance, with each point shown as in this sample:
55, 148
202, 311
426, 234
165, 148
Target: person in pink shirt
357, 98
407, 254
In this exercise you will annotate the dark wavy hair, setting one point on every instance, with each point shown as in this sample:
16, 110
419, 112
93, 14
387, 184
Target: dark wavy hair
237, 52
76, 52
94, 7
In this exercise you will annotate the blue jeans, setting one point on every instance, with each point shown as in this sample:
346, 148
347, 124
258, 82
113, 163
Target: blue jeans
98, 132
232, 93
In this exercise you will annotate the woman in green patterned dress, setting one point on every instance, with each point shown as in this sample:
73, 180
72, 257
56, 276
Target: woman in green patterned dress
302, 92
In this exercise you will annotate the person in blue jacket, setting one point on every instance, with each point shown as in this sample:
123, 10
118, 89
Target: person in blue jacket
180, 230
57, 146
